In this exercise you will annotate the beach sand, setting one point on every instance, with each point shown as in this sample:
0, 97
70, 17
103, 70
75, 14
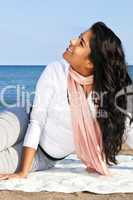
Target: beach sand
15, 195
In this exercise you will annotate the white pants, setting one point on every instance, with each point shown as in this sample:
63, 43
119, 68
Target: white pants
13, 126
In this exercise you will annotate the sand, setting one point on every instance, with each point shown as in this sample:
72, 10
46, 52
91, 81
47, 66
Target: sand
15, 195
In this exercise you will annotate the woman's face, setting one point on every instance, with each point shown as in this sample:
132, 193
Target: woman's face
77, 54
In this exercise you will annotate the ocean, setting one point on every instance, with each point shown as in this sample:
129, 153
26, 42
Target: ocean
17, 83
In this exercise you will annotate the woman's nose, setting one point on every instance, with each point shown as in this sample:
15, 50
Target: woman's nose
73, 41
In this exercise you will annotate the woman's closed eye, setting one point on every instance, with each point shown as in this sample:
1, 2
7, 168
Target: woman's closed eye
81, 43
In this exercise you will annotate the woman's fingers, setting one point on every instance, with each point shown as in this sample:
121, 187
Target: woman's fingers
11, 176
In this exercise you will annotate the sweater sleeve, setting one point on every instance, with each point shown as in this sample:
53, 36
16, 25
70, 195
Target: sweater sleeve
44, 92
128, 134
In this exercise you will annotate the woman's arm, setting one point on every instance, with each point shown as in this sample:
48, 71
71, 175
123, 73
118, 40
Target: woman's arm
26, 160
44, 92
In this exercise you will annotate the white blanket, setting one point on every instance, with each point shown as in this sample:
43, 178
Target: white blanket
69, 175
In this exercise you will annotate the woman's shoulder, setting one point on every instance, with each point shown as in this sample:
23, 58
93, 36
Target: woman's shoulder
58, 65
56, 70
55, 73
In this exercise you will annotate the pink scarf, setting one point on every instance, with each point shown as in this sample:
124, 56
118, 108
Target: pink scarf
87, 133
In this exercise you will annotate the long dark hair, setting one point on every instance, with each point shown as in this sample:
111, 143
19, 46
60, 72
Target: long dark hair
110, 76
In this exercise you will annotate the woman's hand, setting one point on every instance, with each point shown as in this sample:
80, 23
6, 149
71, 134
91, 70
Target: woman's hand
12, 176
28, 154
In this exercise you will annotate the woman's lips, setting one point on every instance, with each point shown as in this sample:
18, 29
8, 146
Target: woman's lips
69, 50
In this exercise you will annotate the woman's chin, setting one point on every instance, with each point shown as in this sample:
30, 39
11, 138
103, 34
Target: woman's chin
65, 56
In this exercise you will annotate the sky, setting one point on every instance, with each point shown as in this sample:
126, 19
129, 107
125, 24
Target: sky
36, 32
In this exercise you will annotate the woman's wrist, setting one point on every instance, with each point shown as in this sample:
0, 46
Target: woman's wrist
23, 173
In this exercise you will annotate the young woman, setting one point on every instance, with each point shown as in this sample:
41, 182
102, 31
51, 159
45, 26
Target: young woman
74, 109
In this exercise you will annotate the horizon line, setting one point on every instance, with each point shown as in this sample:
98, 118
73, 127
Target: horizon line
22, 65
33, 65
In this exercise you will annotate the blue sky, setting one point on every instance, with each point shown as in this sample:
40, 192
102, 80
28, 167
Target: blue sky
38, 31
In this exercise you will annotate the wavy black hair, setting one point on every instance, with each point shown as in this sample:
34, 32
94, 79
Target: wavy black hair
110, 76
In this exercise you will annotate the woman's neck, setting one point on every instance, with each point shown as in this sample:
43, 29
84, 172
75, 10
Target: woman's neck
84, 71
